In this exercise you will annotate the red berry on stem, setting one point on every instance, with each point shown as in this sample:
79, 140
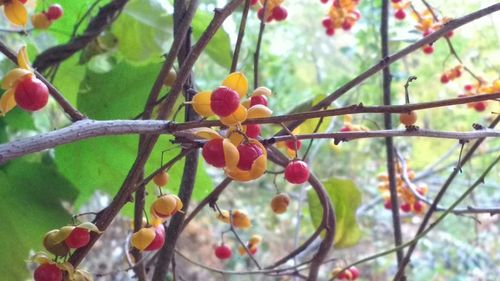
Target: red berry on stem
388, 204
428, 49
346, 25
249, 152
291, 144
480, 106
159, 239
213, 153
354, 272
395, 1
418, 207
297, 172
260, 15
23, 1
279, 13
449, 34
324, 1
445, 79
468, 88
48, 272
400, 14
224, 101
31, 94
254, 100
427, 32
223, 252
54, 12
330, 31
345, 129
253, 2
327, 23
406, 207
78, 238
253, 131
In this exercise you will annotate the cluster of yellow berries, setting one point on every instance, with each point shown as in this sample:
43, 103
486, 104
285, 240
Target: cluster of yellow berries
409, 203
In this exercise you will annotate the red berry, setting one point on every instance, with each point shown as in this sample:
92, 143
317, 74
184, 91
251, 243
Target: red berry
279, 13
78, 238
54, 12
395, 1
253, 131
427, 32
418, 207
327, 23
346, 25
291, 144
213, 153
406, 207
324, 1
345, 275
449, 34
23, 1
336, 3
480, 106
345, 129
330, 31
297, 172
260, 15
48, 272
254, 100
31, 94
224, 101
445, 79
249, 152
468, 88
253, 2
388, 204
159, 239
428, 49
354, 272
223, 252
400, 14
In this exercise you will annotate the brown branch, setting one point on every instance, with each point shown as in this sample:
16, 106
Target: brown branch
72, 112
451, 25
241, 34
256, 55
389, 145
438, 198
104, 18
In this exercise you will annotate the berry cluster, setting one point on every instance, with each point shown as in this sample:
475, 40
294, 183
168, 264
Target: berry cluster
274, 10
44, 20
151, 237
476, 89
252, 245
236, 150
23, 88
352, 273
342, 14
451, 74
399, 7
59, 242
409, 203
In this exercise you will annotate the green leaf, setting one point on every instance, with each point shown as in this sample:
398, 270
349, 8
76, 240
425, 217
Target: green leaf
32, 194
143, 30
219, 47
345, 198
103, 163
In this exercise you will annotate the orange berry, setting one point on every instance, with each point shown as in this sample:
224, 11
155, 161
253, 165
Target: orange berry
161, 179
279, 203
408, 119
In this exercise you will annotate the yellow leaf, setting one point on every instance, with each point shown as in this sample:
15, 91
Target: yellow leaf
13, 76
7, 102
237, 82
22, 58
16, 12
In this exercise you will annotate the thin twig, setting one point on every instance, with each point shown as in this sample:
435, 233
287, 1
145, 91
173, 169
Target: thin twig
256, 55
241, 34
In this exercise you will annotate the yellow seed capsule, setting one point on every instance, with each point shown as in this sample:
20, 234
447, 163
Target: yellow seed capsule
40, 21
166, 206
280, 203
161, 179
170, 79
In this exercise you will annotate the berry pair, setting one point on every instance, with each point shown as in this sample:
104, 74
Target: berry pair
60, 241
274, 10
45, 19
342, 14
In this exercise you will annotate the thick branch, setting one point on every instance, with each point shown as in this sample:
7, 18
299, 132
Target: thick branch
389, 146
106, 16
